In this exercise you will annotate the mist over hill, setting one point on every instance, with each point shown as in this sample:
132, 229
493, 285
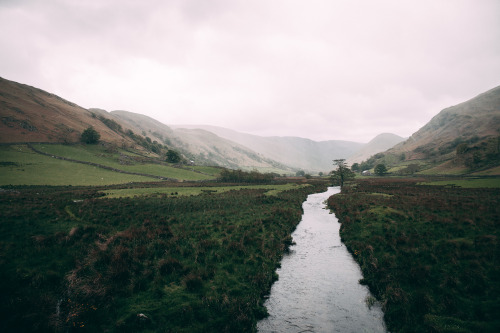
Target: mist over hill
303, 153
29, 114
464, 138
472, 121
378, 144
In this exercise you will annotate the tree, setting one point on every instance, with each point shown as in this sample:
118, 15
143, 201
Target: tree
380, 169
342, 174
173, 156
90, 136
300, 173
462, 149
355, 167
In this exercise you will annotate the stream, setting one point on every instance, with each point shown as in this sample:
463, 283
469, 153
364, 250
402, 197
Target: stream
318, 288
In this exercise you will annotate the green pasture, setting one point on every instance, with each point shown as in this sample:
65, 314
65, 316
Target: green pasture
19, 165
489, 172
468, 183
125, 161
189, 191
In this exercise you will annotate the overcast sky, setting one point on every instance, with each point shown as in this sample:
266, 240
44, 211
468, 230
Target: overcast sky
319, 69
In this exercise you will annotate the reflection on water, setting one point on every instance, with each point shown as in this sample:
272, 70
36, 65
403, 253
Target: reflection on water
318, 289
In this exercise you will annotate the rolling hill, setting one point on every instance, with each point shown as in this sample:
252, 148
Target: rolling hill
464, 138
200, 146
472, 121
29, 114
378, 144
299, 152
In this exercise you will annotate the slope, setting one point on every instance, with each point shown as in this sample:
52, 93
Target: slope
378, 144
295, 151
201, 146
472, 121
30, 114
461, 139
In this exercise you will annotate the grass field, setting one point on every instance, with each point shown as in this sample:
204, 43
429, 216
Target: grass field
467, 183
19, 165
488, 172
186, 264
188, 191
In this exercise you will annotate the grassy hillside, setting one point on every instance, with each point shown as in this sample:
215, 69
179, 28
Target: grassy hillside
430, 254
199, 263
462, 139
20, 165
29, 114
201, 146
296, 152
380, 143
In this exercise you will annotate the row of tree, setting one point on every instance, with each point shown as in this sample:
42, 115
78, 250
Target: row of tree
240, 176
91, 136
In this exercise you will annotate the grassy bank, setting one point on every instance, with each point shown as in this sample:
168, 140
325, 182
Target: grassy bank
430, 254
72, 262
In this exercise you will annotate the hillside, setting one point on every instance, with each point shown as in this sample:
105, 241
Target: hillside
460, 139
198, 145
295, 151
30, 114
472, 121
378, 144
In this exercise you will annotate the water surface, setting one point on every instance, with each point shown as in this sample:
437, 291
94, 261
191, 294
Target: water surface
318, 288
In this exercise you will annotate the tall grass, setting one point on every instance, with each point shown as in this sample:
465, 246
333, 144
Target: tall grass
186, 264
430, 254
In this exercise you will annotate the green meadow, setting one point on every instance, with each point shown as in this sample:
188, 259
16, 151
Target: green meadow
470, 182
20, 165
195, 190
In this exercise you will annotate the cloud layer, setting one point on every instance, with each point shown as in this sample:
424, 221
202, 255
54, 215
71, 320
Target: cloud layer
323, 70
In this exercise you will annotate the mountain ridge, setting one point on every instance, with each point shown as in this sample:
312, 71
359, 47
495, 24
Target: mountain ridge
30, 114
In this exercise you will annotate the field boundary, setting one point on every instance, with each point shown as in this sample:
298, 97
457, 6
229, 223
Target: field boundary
29, 145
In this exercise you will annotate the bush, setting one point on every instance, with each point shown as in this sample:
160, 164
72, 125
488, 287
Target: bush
90, 136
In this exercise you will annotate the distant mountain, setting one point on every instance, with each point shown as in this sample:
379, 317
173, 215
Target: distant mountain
201, 146
472, 121
309, 155
380, 143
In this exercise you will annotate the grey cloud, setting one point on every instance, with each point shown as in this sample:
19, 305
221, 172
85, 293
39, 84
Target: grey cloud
319, 69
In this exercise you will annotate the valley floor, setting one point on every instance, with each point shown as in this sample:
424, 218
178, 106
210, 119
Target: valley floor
429, 253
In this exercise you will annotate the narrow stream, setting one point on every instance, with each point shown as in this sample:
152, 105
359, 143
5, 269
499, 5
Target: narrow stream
318, 288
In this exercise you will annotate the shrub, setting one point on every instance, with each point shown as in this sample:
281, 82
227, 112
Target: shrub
90, 136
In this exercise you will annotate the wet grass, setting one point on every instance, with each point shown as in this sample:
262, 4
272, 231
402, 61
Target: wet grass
71, 261
468, 182
26, 167
188, 191
22, 166
430, 254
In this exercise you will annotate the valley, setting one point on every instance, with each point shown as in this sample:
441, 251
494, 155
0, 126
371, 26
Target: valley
181, 228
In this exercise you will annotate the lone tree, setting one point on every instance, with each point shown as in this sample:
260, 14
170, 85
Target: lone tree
173, 156
90, 136
380, 169
342, 174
